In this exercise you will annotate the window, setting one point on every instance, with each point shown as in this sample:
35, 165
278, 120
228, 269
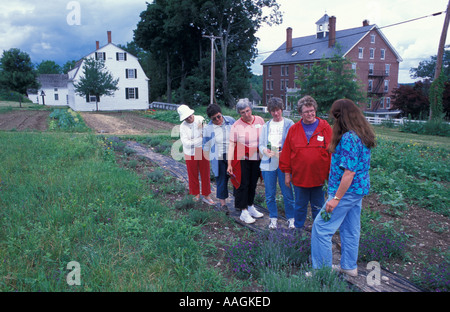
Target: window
354, 67
369, 103
388, 102
131, 93
371, 68
287, 83
372, 53
282, 70
360, 53
386, 86
100, 56
269, 69
282, 84
383, 53
121, 56
56, 97
130, 73
370, 85
92, 98
286, 72
267, 84
387, 69
382, 102
372, 38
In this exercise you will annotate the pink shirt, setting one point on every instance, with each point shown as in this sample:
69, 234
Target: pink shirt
247, 134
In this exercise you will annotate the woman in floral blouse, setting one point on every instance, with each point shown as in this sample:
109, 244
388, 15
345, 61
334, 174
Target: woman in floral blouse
348, 182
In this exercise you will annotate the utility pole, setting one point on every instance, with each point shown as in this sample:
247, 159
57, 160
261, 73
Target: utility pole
440, 54
213, 63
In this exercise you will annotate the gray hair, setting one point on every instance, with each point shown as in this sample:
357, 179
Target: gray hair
306, 101
274, 104
243, 104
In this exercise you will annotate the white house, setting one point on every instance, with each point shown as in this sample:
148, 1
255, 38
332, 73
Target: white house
53, 90
133, 83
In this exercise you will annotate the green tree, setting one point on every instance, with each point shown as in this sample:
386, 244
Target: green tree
69, 65
49, 67
17, 73
172, 31
426, 68
328, 80
96, 81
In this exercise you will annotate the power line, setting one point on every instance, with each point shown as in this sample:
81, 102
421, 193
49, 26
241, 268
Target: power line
362, 32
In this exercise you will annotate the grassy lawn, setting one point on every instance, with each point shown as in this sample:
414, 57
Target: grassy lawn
65, 197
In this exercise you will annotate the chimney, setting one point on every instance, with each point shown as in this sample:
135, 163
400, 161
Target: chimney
332, 31
97, 45
109, 36
365, 22
288, 39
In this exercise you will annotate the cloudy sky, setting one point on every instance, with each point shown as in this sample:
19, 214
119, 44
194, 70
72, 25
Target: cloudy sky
61, 30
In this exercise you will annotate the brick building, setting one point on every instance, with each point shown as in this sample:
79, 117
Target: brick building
374, 59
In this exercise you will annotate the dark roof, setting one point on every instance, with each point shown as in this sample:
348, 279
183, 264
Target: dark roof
311, 48
53, 80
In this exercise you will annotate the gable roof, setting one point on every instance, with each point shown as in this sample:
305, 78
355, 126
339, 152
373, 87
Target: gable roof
53, 80
311, 48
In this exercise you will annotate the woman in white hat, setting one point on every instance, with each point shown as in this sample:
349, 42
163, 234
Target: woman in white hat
191, 137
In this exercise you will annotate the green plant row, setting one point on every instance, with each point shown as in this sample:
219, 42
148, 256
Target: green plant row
63, 198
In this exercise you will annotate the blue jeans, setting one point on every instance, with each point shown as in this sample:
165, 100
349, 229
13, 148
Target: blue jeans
303, 196
222, 180
270, 183
345, 217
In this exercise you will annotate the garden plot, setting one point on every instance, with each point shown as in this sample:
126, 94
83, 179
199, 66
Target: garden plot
24, 120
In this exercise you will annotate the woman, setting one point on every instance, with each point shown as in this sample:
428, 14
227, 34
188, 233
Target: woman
271, 142
306, 161
244, 160
351, 143
215, 146
191, 137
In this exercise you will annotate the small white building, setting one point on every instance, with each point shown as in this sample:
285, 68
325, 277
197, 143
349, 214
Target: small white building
132, 93
53, 90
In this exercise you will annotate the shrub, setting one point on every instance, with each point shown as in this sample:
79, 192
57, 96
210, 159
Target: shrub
436, 277
381, 245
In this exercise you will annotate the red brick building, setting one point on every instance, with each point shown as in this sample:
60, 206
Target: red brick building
374, 59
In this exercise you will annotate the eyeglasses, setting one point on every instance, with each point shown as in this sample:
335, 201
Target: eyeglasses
218, 117
309, 112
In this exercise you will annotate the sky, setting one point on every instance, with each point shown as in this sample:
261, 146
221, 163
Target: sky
61, 30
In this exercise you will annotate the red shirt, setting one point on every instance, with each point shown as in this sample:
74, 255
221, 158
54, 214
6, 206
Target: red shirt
308, 162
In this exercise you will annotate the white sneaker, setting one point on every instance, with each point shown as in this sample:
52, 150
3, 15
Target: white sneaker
291, 223
246, 217
273, 223
254, 213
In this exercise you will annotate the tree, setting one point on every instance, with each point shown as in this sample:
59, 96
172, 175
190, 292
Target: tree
235, 22
426, 69
49, 67
172, 31
411, 100
96, 81
329, 79
17, 73
68, 66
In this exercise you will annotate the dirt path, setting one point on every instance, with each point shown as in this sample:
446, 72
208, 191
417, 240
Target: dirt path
123, 123
24, 120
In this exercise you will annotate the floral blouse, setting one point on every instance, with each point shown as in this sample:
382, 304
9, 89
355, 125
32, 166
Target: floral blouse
353, 155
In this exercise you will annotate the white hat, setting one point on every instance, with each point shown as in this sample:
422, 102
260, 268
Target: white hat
184, 111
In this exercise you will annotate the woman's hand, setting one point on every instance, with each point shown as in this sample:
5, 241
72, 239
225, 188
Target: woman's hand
331, 204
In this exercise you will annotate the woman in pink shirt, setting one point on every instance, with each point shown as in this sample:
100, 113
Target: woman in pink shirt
244, 160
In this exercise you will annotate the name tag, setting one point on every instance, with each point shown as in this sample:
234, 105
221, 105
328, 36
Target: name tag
257, 126
319, 138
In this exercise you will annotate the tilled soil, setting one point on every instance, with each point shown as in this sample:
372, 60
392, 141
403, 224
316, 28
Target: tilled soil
123, 123
21, 120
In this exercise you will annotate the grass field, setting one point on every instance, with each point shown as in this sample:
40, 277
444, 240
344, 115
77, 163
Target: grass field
64, 198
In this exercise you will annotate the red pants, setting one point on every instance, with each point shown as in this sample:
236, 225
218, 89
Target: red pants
198, 164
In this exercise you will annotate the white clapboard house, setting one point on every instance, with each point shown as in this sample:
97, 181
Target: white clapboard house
132, 93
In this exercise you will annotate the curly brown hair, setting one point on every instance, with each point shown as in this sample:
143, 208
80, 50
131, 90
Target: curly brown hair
349, 117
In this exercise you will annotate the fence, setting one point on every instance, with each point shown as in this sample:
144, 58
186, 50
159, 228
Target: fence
162, 105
